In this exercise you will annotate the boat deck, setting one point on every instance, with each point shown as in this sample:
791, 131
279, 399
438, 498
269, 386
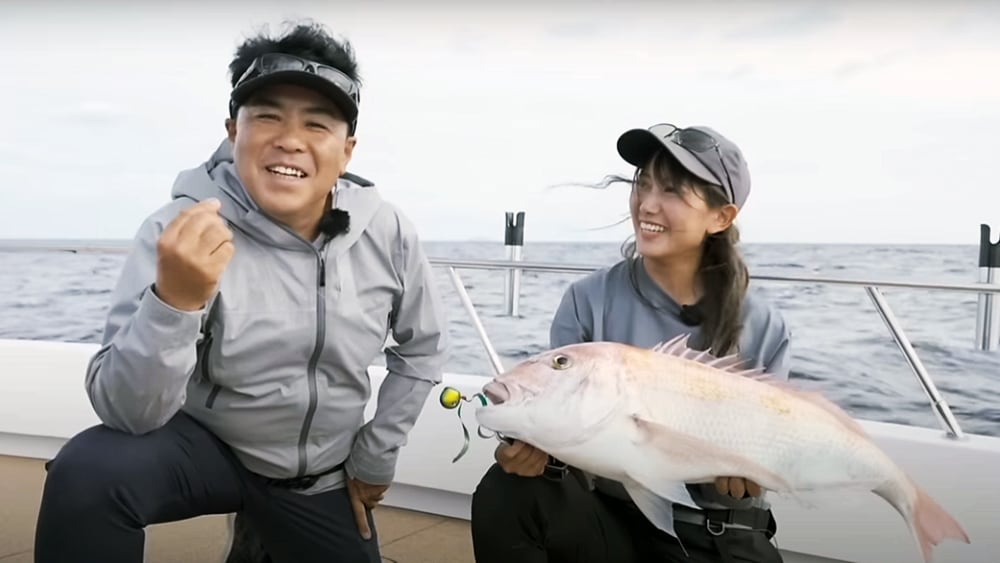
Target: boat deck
406, 536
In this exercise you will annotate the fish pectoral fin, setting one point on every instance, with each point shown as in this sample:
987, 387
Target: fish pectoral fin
656, 509
683, 450
672, 491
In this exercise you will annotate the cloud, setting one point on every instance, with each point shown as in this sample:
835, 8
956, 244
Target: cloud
795, 23
580, 29
518, 99
94, 112
979, 24
734, 73
880, 61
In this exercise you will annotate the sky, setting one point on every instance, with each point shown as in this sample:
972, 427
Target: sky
862, 122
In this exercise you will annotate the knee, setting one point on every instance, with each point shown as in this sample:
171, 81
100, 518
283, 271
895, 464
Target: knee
502, 492
88, 468
498, 484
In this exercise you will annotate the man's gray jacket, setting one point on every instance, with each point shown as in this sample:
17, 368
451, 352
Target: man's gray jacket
276, 365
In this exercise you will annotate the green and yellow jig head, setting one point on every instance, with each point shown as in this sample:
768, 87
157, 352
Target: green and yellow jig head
452, 398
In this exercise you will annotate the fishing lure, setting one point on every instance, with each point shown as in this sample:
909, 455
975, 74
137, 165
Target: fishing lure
452, 398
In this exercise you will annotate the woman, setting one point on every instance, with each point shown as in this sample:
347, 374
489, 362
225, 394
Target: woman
682, 274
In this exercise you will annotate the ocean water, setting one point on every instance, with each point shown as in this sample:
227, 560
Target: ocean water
840, 344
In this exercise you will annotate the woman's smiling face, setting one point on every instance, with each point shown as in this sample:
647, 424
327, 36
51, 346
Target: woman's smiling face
670, 218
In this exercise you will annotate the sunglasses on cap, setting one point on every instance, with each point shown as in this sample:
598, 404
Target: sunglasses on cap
271, 63
696, 141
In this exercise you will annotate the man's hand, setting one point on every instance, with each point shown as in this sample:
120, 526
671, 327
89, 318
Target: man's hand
737, 487
364, 495
521, 459
192, 253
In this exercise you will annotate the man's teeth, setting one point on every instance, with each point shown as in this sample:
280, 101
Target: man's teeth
286, 171
649, 227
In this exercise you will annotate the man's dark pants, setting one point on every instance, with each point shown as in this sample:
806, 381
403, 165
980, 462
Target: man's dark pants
105, 486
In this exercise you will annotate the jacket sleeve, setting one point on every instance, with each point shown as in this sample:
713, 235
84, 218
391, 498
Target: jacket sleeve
137, 380
414, 366
778, 364
773, 336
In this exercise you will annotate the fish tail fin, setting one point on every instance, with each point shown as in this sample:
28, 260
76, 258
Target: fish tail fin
932, 524
929, 522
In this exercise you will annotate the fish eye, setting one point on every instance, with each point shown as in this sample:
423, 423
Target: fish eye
560, 362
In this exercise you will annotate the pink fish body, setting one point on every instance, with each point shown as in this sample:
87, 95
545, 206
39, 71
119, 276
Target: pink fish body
657, 419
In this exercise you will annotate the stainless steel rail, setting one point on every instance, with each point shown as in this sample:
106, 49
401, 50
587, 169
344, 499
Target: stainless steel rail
477, 323
941, 408
559, 268
988, 312
77, 248
554, 267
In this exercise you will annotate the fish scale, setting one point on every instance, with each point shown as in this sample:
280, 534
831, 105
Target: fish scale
776, 437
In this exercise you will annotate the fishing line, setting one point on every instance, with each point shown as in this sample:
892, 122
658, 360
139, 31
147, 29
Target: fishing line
451, 398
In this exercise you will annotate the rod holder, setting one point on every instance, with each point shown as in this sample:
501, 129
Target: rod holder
988, 308
513, 241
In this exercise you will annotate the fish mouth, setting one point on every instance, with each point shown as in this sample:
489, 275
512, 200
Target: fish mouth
496, 392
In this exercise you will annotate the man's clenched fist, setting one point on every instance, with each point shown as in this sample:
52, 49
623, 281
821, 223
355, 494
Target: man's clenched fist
192, 252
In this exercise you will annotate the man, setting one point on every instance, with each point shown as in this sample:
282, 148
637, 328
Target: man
232, 376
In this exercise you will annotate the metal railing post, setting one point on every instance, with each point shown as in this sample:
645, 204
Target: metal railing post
513, 241
463, 296
988, 308
938, 404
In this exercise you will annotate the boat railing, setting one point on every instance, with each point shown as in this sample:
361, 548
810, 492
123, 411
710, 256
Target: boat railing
514, 267
872, 287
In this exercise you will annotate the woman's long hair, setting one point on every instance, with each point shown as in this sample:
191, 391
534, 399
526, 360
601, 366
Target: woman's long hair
724, 274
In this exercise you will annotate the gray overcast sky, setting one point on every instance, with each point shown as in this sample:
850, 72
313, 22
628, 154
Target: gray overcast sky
861, 122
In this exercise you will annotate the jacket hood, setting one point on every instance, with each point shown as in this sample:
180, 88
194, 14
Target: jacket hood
217, 178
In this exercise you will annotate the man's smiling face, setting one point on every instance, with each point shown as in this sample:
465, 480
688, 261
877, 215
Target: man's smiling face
290, 145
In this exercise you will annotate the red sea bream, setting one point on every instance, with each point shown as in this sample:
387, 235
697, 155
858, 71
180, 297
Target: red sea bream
655, 419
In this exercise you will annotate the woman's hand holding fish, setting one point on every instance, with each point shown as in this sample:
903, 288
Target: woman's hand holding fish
521, 459
737, 487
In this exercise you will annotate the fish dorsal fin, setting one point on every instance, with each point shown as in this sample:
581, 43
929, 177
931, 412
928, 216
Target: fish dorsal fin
678, 347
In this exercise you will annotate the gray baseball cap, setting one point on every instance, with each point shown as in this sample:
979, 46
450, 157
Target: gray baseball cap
695, 148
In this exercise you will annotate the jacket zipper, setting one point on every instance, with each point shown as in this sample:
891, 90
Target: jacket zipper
206, 373
317, 347
204, 351
314, 359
